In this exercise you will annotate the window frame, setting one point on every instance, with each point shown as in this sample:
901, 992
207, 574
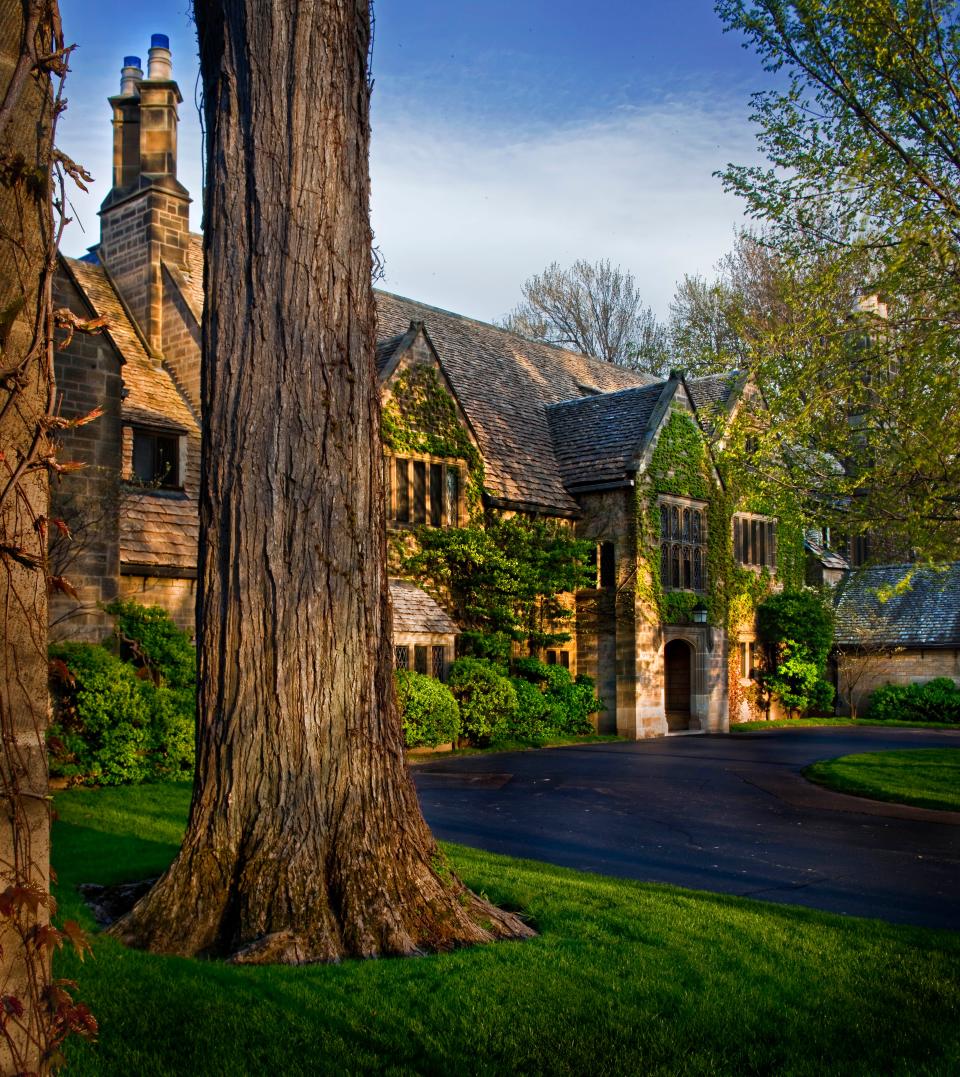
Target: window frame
412, 484
176, 439
755, 541
684, 532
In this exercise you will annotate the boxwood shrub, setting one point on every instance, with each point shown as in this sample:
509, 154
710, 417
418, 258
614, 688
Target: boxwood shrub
487, 699
430, 714
936, 701
111, 724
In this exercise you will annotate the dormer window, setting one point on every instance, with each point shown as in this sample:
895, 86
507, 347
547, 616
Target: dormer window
421, 492
156, 459
683, 544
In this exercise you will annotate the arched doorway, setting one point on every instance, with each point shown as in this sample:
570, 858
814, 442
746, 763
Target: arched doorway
678, 683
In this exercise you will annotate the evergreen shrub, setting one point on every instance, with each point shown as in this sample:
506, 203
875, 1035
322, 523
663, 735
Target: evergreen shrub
936, 701
797, 627
569, 703
111, 725
430, 714
487, 699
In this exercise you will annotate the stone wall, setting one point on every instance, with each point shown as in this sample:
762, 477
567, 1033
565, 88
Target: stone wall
181, 343
908, 667
178, 596
88, 376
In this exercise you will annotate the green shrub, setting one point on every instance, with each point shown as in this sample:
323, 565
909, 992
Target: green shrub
568, 704
149, 639
936, 701
430, 714
534, 717
487, 699
112, 725
797, 628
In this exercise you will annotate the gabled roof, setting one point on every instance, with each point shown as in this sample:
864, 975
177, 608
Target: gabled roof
597, 438
415, 611
925, 613
151, 398
813, 543
714, 397
504, 384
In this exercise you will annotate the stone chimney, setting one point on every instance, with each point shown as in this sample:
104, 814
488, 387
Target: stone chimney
144, 220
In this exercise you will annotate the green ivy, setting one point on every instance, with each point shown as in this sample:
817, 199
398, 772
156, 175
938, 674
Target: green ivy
421, 417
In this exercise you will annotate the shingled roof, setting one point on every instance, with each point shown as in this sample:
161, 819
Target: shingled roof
596, 438
925, 613
713, 396
158, 529
504, 384
415, 611
151, 397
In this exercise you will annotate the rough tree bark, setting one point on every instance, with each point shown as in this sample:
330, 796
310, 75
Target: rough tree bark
26, 386
305, 841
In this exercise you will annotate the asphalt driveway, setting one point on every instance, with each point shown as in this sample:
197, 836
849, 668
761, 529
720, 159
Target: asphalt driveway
725, 813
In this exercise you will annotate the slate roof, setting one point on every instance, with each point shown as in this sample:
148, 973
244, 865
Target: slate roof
712, 396
151, 398
596, 438
415, 611
158, 529
926, 614
504, 384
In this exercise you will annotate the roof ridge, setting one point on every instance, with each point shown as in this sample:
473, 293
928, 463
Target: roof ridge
600, 396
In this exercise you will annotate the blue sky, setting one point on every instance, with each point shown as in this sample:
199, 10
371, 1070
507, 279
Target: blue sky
505, 136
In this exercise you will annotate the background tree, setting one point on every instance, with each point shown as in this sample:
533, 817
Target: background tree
863, 144
594, 308
305, 840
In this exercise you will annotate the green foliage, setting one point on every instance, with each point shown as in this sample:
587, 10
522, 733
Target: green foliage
936, 701
797, 629
557, 704
150, 640
429, 711
860, 196
487, 699
113, 726
802, 617
502, 580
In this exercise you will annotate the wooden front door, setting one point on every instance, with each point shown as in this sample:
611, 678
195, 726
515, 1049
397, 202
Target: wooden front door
678, 682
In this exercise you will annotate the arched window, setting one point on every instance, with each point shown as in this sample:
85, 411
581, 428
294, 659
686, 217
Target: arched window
697, 536
675, 574
683, 537
664, 522
686, 525
687, 581
675, 517
697, 570
665, 564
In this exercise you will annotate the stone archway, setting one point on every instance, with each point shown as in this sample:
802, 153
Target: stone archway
678, 676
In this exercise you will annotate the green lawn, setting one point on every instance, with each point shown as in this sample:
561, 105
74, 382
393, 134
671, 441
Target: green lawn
855, 723
624, 979
926, 777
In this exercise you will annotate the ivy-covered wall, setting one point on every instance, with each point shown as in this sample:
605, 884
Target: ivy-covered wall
681, 465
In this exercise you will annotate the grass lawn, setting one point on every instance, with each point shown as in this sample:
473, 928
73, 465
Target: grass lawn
926, 777
624, 978
854, 723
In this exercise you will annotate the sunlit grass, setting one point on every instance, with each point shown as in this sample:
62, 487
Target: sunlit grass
624, 978
925, 777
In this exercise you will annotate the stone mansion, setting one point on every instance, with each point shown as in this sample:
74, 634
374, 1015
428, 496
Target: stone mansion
629, 461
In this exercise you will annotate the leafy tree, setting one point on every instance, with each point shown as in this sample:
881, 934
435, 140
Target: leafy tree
305, 840
796, 628
594, 308
861, 199
503, 581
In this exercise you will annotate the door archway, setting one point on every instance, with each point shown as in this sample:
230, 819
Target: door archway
677, 683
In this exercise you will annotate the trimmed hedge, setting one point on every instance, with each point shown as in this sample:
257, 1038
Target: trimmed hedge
430, 714
936, 701
487, 699
567, 703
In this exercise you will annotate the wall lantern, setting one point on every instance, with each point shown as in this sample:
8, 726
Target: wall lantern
699, 614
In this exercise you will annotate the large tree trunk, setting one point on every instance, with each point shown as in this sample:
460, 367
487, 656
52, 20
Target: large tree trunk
25, 395
305, 841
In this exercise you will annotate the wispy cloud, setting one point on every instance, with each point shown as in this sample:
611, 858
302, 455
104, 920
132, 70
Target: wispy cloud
464, 215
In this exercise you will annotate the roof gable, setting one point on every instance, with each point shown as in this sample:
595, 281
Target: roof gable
151, 398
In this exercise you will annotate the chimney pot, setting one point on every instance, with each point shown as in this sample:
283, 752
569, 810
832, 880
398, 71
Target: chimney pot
130, 75
160, 64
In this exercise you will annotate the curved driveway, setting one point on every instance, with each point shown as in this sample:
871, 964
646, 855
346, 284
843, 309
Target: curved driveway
725, 813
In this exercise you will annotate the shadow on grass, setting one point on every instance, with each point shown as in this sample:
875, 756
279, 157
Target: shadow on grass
624, 978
